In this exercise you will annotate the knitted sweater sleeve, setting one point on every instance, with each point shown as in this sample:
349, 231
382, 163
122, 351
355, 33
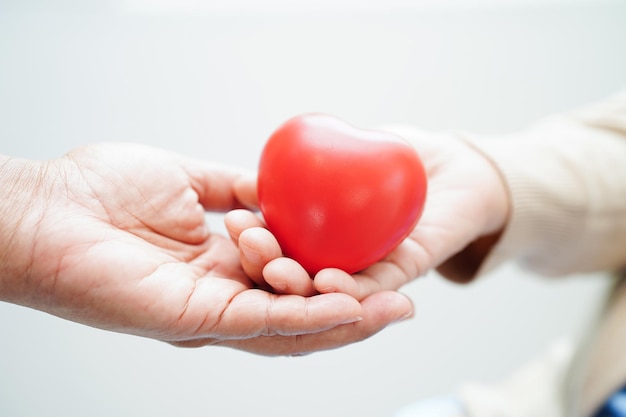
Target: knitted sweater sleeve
566, 177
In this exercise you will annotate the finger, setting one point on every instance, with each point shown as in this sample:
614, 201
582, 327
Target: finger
254, 313
378, 311
287, 276
217, 185
331, 280
397, 269
257, 246
236, 221
245, 189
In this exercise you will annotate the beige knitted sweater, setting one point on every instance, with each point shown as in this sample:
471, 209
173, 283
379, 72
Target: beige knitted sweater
567, 181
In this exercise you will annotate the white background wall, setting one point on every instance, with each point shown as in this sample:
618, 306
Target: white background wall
213, 79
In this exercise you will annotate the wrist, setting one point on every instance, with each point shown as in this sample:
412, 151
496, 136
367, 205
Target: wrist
21, 183
493, 214
497, 197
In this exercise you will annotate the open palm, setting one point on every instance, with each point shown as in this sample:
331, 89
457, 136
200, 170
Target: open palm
119, 241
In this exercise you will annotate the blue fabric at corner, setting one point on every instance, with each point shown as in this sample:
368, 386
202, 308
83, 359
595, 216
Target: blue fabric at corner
615, 406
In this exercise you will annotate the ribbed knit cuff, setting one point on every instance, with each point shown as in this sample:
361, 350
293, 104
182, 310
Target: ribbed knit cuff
562, 177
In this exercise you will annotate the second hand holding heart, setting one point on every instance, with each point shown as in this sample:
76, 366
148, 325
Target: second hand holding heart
467, 202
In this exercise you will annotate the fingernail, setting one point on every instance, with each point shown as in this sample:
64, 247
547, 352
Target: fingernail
404, 316
352, 320
280, 287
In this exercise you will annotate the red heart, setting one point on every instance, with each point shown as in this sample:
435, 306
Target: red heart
338, 196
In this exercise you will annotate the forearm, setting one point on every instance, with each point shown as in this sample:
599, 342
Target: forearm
567, 182
20, 183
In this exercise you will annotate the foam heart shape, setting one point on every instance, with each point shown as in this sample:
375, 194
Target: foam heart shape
338, 196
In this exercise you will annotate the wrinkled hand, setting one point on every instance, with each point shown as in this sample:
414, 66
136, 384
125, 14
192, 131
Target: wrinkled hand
466, 202
114, 236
